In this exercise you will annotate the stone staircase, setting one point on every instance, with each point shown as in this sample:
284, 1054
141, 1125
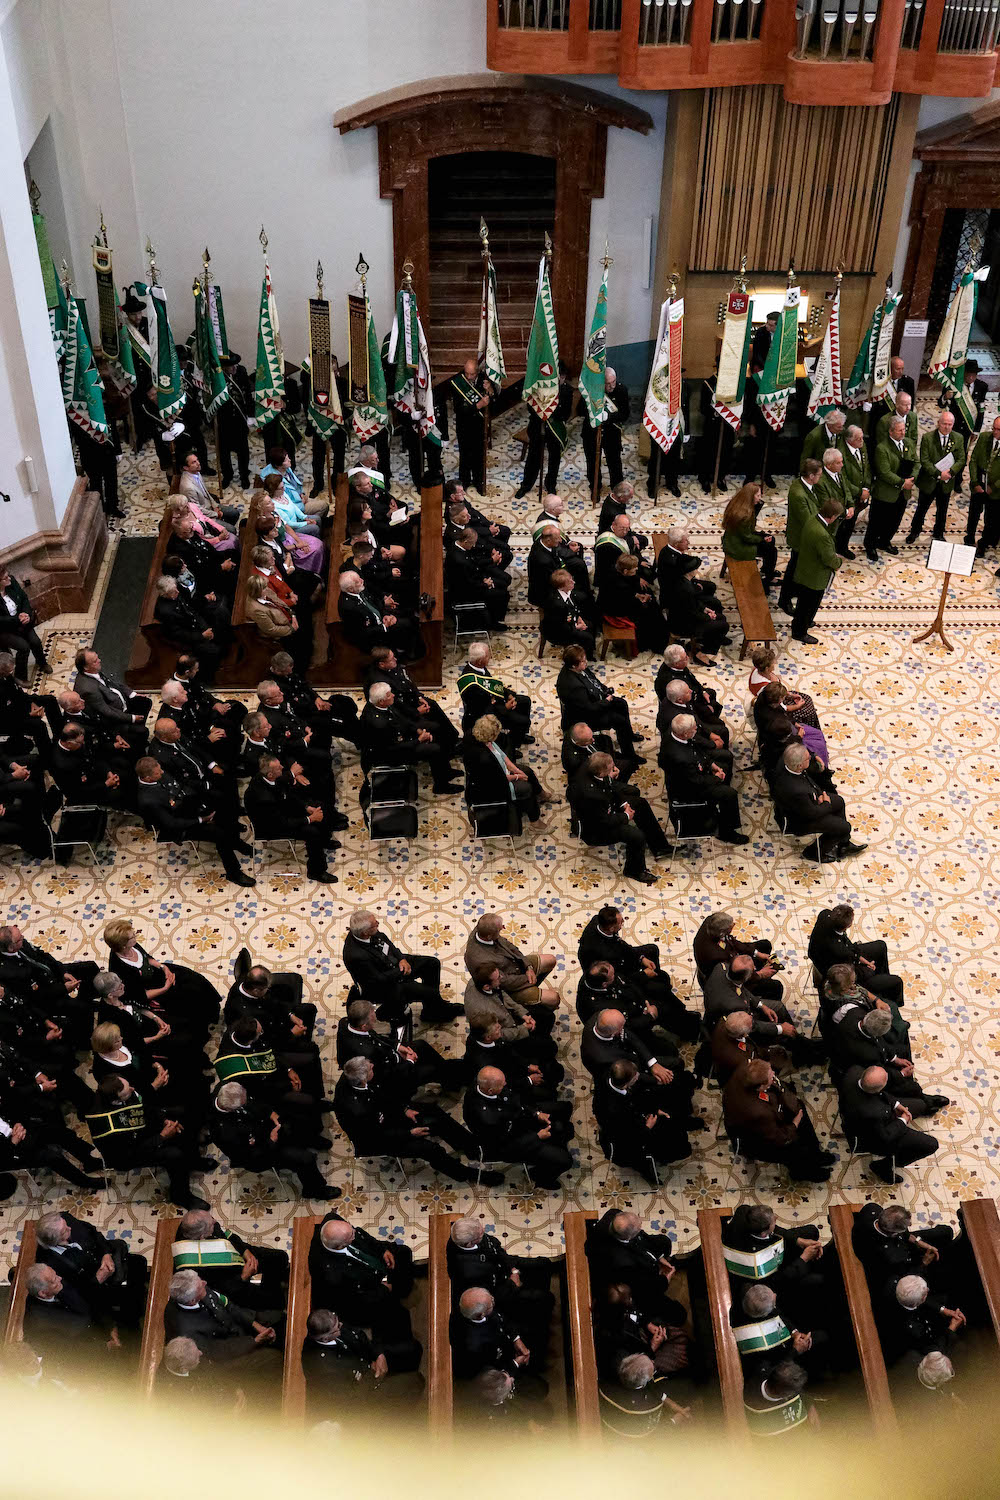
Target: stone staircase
516, 195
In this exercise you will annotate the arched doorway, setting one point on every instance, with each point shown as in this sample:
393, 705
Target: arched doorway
516, 194
565, 124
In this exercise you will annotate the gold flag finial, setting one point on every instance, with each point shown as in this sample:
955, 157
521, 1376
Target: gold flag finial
840, 273
791, 273
35, 195
607, 260
362, 269
104, 229
674, 277
408, 269
548, 245
67, 280
151, 257
484, 235
206, 258
319, 280
263, 239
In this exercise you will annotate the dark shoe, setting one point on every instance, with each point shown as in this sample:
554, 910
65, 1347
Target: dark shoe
206, 1164
447, 789
210, 472
770, 481
872, 555
675, 492
937, 536
339, 821
706, 486
242, 847
520, 494
439, 1015
323, 1194
638, 760
191, 1200
806, 640
936, 1101
323, 878
821, 858
115, 513
8, 1186
322, 1142
500, 628
883, 1171
317, 489
238, 878
913, 537
334, 844
980, 549
851, 848
732, 838
529, 739
889, 547
645, 877
491, 1179
786, 609
849, 553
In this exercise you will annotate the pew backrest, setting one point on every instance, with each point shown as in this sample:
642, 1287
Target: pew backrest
293, 1380
151, 1348
866, 1336
982, 1225
727, 1355
440, 1386
14, 1328
581, 1324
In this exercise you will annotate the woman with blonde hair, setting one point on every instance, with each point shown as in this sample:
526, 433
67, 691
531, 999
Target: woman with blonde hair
219, 536
741, 540
491, 777
157, 986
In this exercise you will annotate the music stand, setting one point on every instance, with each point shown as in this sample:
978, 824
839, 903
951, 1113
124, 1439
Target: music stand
946, 558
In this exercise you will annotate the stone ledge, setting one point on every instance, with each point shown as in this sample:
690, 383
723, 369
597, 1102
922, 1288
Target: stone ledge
59, 568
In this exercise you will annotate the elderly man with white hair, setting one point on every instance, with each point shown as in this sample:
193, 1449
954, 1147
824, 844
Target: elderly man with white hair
676, 667
826, 434
894, 464
228, 1264
59, 1323
552, 547
482, 692
923, 1324
857, 474
362, 1279
616, 415
803, 807
692, 776
482, 1338
254, 1136
346, 1368
387, 738
692, 608
223, 1331
370, 619
391, 979
110, 1279
519, 1284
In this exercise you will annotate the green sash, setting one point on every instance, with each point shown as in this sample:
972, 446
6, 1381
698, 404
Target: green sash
754, 1265
240, 1064
777, 1418
557, 427
754, 1338
540, 526
126, 1120
190, 1254
491, 685
616, 541
466, 390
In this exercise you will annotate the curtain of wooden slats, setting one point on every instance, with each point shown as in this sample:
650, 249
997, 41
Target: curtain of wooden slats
789, 183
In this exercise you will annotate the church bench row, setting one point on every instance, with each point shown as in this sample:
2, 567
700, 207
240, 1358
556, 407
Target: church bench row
751, 601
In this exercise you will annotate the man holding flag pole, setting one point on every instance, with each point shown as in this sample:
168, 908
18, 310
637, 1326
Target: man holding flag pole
411, 385
777, 379
549, 398
661, 414
598, 400
730, 381
164, 401
480, 379
210, 377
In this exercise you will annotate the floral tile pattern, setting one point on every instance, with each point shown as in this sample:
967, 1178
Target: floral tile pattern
915, 738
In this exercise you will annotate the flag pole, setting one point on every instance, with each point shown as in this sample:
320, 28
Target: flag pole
541, 462
654, 478
151, 257
595, 489
739, 285
326, 441
484, 237
206, 261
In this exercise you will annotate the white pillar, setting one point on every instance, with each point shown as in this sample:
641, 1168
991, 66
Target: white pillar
32, 414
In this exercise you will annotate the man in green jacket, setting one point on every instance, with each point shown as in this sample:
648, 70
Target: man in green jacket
984, 490
942, 446
857, 473
826, 434
895, 460
818, 560
804, 500
903, 408
833, 486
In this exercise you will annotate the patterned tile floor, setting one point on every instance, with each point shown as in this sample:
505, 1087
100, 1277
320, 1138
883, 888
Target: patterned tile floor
915, 736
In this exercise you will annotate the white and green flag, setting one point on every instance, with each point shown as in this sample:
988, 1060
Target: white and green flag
825, 390
367, 377
541, 377
869, 379
209, 375
947, 365
217, 318
490, 352
269, 383
777, 379
410, 382
125, 363
165, 369
83, 389
730, 382
596, 359
661, 413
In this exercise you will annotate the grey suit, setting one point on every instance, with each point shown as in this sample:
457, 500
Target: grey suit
112, 699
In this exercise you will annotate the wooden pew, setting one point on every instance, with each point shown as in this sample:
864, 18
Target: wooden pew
866, 1337
727, 1356
293, 1381
581, 1326
14, 1329
428, 672
751, 601
151, 1348
249, 659
439, 1377
153, 657
345, 665
982, 1225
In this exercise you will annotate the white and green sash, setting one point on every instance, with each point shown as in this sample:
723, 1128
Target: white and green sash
754, 1265
755, 1338
774, 1420
190, 1254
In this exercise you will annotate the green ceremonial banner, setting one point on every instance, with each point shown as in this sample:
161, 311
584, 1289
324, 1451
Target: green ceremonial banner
209, 375
541, 376
83, 390
410, 381
165, 369
371, 413
777, 380
269, 384
490, 350
596, 359
947, 364
125, 361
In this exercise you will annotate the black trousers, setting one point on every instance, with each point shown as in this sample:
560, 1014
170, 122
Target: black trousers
537, 442
668, 470
338, 450
884, 521
831, 825
940, 497
612, 714
19, 642
611, 451
845, 529
101, 467
233, 439
471, 455
807, 603
789, 588
987, 506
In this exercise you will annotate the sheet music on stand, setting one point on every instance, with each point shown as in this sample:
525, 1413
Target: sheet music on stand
951, 557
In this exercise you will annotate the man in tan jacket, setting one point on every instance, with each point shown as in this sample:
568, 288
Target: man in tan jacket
520, 973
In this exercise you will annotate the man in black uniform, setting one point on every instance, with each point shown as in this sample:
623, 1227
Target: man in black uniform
601, 942
880, 1123
393, 980
470, 393
611, 813
337, 439
233, 418
692, 778
254, 1136
482, 693
378, 1122
617, 412
753, 417
519, 1284
389, 738
277, 810
112, 1280
551, 436
505, 1128
976, 391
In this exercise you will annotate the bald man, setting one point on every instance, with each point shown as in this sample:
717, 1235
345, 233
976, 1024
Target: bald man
616, 408
507, 1129
470, 393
